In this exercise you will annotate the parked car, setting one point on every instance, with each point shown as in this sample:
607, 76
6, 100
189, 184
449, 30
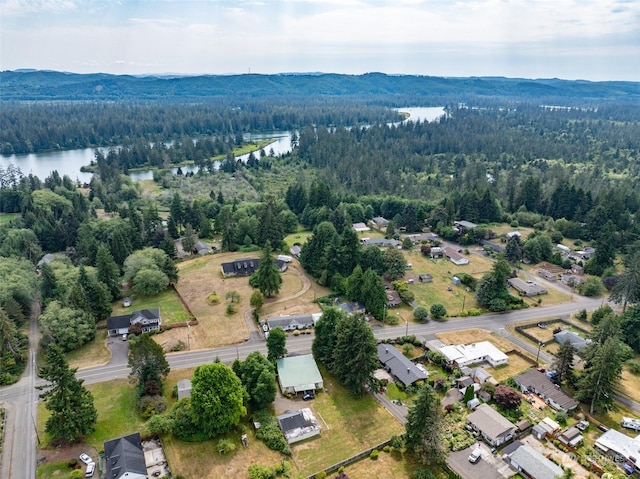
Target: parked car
124, 337
308, 396
475, 455
582, 425
85, 458
91, 468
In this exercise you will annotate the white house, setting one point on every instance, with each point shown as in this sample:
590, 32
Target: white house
624, 449
290, 323
298, 425
465, 355
455, 257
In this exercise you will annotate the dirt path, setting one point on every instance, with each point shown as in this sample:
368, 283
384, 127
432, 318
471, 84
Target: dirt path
294, 268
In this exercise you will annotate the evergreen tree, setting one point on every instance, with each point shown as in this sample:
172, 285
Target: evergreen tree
267, 278
147, 361
601, 377
189, 239
355, 285
424, 436
172, 228
373, 294
513, 250
168, 246
73, 414
325, 335
355, 356
627, 289
176, 211
48, 283
564, 363
107, 271
269, 225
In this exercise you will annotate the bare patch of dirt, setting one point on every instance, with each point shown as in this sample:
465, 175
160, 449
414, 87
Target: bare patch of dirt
64, 454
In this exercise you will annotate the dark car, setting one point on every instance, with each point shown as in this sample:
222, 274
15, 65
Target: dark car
308, 396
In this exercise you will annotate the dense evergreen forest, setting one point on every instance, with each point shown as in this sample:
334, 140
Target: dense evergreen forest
567, 171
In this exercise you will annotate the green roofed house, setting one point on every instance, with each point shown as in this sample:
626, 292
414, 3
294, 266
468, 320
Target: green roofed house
298, 374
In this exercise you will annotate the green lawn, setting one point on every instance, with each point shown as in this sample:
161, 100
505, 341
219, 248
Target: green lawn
53, 469
6, 217
117, 416
349, 426
171, 308
297, 237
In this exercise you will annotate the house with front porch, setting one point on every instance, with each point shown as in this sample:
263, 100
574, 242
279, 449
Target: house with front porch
492, 426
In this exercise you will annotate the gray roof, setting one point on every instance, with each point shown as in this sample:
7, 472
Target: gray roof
526, 288
280, 321
124, 456
465, 224
575, 339
490, 422
291, 420
401, 367
535, 464
382, 242
535, 380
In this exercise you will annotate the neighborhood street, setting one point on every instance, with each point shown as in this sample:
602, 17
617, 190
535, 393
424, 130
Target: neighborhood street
20, 399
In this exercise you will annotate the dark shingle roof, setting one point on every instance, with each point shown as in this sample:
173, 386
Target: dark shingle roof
119, 322
401, 367
124, 455
542, 384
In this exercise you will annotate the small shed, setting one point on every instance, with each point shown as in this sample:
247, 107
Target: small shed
473, 404
455, 280
184, 389
539, 431
425, 278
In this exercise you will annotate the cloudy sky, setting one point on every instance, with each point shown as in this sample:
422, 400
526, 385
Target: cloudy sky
572, 39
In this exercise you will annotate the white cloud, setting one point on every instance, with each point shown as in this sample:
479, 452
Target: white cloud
26, 7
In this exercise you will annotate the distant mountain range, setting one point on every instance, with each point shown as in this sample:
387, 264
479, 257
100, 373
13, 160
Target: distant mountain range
30, 85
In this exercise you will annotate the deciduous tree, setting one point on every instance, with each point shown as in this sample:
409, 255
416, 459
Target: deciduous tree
507, 397
217, 398
276, 344
258, 376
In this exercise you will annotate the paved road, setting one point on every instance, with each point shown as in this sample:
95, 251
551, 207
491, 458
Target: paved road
21, 399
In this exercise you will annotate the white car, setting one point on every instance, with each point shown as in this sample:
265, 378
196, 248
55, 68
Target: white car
91, 468
85, 458
475, 455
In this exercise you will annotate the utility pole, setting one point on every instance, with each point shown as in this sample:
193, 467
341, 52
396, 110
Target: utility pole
538, 354
189, 335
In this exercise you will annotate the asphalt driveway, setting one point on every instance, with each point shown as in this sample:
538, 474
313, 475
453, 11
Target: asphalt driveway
119, 350
490, 466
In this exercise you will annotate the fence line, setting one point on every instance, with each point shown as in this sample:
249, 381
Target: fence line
350, 460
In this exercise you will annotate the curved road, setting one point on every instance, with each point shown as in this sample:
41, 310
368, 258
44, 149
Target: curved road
19, 453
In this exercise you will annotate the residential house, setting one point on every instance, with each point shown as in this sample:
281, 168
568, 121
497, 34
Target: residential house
420, 237
291, 323
572, 280
577, 341
455, 257
548, 275
463, 382
246, 267
564, 250
298, 374
360, 227
298, 425
571, 437
526, 288
379, 222
200, 248
147, 319
295, 250
353, 307
493, 426
464, 226
623, 449
465, 355
184, 389
393, 298
538, 382
436, 252
511, 234
381, 242
398, 365
532, 464
46, 259
481, 376
124, 457
495, 247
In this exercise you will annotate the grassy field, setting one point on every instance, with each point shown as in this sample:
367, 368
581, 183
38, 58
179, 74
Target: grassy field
171, 308
349, 426
92, 354
201, 276
6, 217
387, 466
115, 403
515, 366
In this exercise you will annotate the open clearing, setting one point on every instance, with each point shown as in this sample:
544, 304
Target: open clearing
349, 426
202, 276
92, 354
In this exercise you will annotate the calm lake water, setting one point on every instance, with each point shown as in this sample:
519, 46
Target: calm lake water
69, 162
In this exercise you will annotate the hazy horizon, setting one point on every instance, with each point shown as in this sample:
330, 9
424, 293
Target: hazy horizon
595, 40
